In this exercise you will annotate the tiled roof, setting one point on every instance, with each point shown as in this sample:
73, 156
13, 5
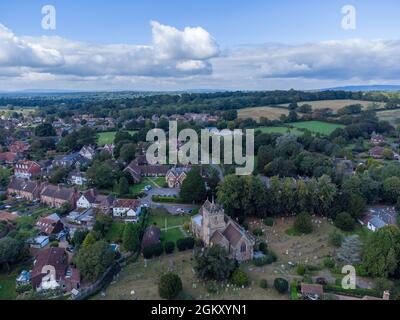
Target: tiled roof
58, 192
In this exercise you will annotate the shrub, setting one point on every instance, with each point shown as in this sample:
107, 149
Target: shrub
263, 247
54, 244
212, 287
271, 257
170, 286
322, 281
259, 262
185, 244
23, 288
294, 295
269, 221
154, 250
263, 284
329, 263
240, 278
344, 221
169, 247
336, 239
303, 223
258, 232
281, 285
301, 270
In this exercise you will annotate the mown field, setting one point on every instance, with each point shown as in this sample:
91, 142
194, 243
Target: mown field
335, 105
280, 130
272, 113
393, 116
108, 137
317, 126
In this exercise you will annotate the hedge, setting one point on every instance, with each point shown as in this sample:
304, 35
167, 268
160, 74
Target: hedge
185, 244
358, 292
165, 199
154, 250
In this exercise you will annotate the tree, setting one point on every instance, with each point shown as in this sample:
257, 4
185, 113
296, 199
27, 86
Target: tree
303, 223
122, 187
45, 130
10, 251
79, 237
281, 285
214, 263
4, 176
130, 238
64, 209
169, 247
89, 240
127, 152
344, 221
59, 175
381, 255
391, 189
170, 286
101, 175
121, 136
193, 188
103, 224
94, 260
240, 278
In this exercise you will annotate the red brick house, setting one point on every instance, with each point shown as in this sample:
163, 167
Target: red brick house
28, 190
139, 168
50, 225
26, 169
9, 157
19, 147
55, 196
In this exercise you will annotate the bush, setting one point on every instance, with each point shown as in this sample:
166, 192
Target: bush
329, 263
185, 244
258, 232
271, 257
294, 295
263, 284
54, 244
281, 285
170, 286
303, 223
169, 247
301, 270
263, 247
259, 262
154, 250
269, 222
336, 239
322, 281
344, 221
212, 287
23, 288
240, 278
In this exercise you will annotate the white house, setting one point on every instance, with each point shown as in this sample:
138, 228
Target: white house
83, 202
127, 208
77, 178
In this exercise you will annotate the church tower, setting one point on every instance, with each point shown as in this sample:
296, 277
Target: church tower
213, 220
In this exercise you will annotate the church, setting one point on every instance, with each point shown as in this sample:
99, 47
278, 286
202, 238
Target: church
213, 227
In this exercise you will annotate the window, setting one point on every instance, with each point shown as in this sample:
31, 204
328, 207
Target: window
243, 247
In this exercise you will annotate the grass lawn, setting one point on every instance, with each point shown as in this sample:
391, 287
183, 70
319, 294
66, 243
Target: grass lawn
160, 181
159, 216
280, 130
108, 137
138, 187
7, 286
324, 128
115, 233
172, 235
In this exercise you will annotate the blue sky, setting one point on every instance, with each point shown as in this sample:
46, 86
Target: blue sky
231, 23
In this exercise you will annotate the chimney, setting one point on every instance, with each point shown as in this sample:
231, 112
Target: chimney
386, 295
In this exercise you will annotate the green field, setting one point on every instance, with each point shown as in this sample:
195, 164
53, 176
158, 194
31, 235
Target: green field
324, 128
280, 130
7, 286
161, 218
108, 137
172, 235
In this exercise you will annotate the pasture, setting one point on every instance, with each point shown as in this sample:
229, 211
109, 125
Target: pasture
279, 130
108, 137
392, 116
324, 128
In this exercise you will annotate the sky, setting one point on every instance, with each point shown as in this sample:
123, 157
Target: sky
203, 44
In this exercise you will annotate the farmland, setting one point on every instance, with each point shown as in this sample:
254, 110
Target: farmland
272, 113
280, 130
392, 116
335, 105
317, 126
108, 137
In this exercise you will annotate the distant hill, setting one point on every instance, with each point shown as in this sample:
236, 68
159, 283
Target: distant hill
367, 88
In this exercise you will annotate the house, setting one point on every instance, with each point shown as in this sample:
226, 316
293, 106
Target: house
92, 199
25, 169
378, 217
377, 152
77, 177
176, 175
213, 227
139, 168
312, 291
55, 196
88, 152
9, 157
151, 236
19, 147
127, 208
25, 189
109, 148
50, 225
70, 160
377, 139
52, 271
39, 242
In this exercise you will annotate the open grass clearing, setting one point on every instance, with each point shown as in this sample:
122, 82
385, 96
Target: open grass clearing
335, 105
272, 113
324, 128
108, 137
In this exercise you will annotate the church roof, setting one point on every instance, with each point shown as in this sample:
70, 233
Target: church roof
211, 206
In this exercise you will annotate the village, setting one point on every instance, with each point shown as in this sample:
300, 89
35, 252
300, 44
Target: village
80, 191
